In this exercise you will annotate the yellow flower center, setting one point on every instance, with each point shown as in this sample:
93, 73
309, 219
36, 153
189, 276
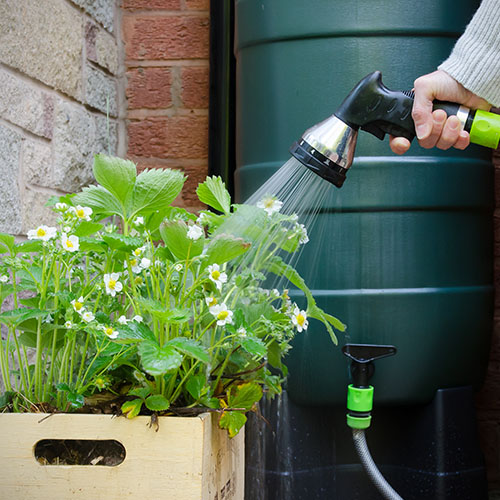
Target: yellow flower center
212, 301
133, 262
215, 275
300, 319
69, 244
40, 232
269, 203
137, 252
223, 315
80, 213
78, 306
108, 331
111, 283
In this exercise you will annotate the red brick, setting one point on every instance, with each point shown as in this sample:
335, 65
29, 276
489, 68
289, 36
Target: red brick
165, 37
170, 137
198, 4
149, 88
195, 87
152, 4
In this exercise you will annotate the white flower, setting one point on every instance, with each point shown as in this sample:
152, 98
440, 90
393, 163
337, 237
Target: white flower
109, 331
202, 219
44, 233
210, 301
138, 221
145, 263
78, 305
71, 244
68, 324
299, 319
270, 204
139, 251
136, 268
112, 283
4, 278
81, 212
137, 318
216, 276
302, 231
242, 332
61, 206
122, 320
178, 267
222, 314
275, 293
194, 232
88, 317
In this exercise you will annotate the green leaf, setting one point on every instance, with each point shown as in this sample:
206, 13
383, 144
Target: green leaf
28, 246
157, 402
132, 408
253, 345
195, 385
75, 399
224, 248
155, 189
140, 392
244, 395
158, 360
274, 354
100, 200
161, 313
92, 245
86, 228
233, 421
7, 243
213, 192
190, 347
174, 234
6, 398
134, 332
115, 174
15, 316
117, 241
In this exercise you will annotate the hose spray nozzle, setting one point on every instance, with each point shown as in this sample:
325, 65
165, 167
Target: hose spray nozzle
328, 147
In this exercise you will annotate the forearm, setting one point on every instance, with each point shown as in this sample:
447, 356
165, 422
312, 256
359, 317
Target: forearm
475, 59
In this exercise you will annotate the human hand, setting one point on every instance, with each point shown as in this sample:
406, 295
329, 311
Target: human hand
434, 128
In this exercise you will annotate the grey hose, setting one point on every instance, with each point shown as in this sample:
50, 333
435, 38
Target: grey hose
366, 459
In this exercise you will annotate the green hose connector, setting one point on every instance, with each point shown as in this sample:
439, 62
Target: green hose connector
359, 404
485, 129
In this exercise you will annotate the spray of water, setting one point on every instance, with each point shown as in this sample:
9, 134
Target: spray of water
298, 195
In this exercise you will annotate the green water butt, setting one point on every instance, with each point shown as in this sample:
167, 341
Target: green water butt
403, 253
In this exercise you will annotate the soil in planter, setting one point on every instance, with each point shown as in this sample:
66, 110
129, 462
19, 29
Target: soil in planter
79, 452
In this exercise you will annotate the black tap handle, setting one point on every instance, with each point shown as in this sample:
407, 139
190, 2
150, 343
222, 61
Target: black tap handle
374, 108
365, 353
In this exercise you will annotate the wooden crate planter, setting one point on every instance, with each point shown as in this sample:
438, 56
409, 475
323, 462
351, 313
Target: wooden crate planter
187, 459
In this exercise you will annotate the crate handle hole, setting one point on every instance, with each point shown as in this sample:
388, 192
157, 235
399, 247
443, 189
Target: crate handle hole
92, 452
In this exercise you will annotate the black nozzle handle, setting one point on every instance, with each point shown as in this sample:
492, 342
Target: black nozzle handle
374, 108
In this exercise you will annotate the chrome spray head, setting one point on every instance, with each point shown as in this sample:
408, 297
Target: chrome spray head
327, 149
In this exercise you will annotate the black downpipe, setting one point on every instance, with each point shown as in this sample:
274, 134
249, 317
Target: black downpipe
221, 149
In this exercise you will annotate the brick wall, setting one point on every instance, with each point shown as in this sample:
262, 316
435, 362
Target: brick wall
59, 66
166, 60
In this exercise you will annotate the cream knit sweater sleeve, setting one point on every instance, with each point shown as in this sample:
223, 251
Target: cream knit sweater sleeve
475, 59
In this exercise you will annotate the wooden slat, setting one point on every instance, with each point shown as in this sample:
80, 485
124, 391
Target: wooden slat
176, 462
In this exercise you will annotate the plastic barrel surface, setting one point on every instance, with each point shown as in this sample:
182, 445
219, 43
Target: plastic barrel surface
403, 252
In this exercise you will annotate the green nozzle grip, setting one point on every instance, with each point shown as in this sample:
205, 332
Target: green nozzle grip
485, 129
358, 422
360, 399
